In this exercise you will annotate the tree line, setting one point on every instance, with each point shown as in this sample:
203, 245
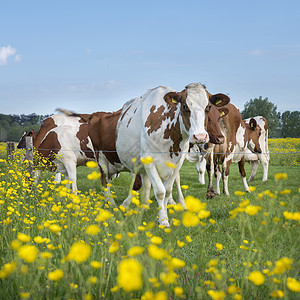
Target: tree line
281, 125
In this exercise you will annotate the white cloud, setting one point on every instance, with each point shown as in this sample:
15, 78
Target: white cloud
6, 52
256, 53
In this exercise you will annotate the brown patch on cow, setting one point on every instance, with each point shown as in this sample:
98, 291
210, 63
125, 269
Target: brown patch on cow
123, 115
156, 118
173, 132
46, 126
228, 163
82, 136
102, 131
241, 167
129, 122
47, 151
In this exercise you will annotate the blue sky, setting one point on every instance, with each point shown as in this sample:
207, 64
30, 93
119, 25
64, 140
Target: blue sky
92, 56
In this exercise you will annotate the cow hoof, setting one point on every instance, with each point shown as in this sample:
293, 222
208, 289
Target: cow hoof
210, 195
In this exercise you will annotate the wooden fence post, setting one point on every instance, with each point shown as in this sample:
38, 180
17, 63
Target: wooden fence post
29, 154
10, 148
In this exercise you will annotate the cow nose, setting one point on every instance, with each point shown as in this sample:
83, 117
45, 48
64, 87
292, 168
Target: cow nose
201, 138
257, 150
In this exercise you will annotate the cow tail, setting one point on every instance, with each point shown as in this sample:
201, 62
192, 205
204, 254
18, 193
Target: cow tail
71, 114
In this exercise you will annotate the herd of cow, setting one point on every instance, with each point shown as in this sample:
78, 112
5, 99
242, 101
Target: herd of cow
167, 126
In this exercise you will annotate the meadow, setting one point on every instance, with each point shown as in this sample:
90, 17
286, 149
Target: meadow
57, 245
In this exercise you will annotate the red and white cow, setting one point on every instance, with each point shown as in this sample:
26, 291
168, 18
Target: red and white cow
239, 136
64, 142
264, 157
160, 124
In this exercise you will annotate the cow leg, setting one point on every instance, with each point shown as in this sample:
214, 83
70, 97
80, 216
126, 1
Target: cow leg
72, 174
243, 174
146, 188
57, 177
136, 187
254, 166
37, 174
264, 159
225, 175
179, 192
201, 171
209, 168
218, 176
159, 192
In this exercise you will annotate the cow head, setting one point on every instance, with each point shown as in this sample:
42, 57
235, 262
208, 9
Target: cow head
195, 105
253, 133
22, 141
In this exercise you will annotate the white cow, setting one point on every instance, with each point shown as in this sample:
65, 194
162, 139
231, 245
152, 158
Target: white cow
160, 124
264, 157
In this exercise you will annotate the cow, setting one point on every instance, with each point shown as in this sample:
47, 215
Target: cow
264, 157
63, 143
157, 127
239, 136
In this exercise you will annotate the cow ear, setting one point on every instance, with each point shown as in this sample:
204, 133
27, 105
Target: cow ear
252, 124
219, 100
223, 112
172, 98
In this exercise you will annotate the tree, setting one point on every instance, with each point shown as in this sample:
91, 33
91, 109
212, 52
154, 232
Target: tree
263, 107
290, 122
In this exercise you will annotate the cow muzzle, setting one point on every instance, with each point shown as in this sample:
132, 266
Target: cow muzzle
200, 138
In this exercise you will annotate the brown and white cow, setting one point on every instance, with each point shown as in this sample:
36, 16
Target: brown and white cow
160, 124
264, 157
64, 143
239, 136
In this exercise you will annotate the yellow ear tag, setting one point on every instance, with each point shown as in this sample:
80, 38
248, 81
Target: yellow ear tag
218, 102
251, 125
174, 101
222, 114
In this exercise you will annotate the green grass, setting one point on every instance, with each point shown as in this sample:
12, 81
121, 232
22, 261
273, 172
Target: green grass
269, 235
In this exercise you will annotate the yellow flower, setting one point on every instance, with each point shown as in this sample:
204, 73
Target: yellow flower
282, 265
46, 255
168, 278
277, 293
28, 253
252, 188
193, 204
156, 252
15, 244
94, 175
79, 252
104, 215
147, 160
280, 176
219, 246
157, 240
96, 264
170, 165
118, 236
7, 269
24, 238
178, 291
93, 279
252, 209
91, 164
180, 244
216, 295
135, 251
92, 230
285, 192
55, 228
239, 193
184, 187
176, 263
188, 239
39, 239
130, 275
56, 275
114, 247
257, 278
293, 284
189, 219
24, 295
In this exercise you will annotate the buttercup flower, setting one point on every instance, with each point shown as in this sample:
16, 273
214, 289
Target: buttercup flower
293, 285
79, 252
257, 278
130, 275
28, 253
56, 275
